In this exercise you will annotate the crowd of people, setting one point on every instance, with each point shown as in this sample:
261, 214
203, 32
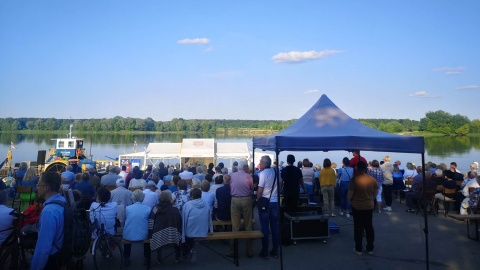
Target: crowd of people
173, 205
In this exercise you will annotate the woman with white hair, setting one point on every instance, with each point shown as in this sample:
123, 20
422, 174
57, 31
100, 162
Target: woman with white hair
136, 225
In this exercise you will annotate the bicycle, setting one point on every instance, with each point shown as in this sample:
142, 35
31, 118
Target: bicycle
19, 250
107, 252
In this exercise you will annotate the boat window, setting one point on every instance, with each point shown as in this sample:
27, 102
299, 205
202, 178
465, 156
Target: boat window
70, 144
61, 144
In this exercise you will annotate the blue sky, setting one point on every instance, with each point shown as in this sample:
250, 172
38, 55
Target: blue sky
238, 59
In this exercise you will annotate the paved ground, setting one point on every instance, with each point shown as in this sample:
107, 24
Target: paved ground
399, 244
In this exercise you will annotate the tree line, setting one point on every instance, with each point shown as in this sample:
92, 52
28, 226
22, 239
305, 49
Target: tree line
435, 122
118, 123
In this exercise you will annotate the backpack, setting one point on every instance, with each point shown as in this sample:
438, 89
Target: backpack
76, 233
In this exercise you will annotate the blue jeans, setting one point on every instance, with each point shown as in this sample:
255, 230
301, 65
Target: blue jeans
269, 222
344, 203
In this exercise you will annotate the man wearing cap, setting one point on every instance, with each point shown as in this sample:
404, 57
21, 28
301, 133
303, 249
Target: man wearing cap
151, 197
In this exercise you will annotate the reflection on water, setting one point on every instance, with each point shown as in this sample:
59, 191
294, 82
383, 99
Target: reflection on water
437, 149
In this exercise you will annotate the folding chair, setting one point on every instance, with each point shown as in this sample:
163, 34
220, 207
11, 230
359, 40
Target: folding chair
23, 195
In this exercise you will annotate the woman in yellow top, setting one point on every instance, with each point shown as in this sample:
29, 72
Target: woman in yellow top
328, 179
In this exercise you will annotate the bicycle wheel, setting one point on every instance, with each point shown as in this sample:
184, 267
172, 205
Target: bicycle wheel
12, 259
107, 253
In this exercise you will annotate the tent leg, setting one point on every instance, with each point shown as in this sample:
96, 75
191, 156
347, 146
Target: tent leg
425, 215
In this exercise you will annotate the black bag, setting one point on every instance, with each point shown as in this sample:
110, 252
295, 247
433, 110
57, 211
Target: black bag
263, 204
76, 233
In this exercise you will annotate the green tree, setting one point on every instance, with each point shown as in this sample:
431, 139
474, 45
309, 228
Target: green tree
475, 126
463, 130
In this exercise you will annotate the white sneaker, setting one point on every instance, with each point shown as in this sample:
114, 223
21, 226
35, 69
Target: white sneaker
389, 209
333, 215
385, 208
341, 213
348, 215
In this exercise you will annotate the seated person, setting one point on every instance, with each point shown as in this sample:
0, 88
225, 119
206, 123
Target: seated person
196, 221
165, 225
31, 216
448, 183
103, 211
439, 179
208, 197
6, 222
151, 197
181, 196
224, 200
84, 186
411, 197
471, 202
136, 225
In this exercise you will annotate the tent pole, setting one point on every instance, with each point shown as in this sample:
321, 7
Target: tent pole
425, 230
277, 180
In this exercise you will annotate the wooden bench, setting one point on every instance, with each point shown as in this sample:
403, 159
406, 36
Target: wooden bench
473, 217
216, 236
227, 222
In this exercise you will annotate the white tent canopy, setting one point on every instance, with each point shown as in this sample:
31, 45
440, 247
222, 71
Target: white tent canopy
232, 151
189, 151
164, 150
204, 148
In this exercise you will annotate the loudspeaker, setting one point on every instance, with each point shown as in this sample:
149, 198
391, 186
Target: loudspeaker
41, 157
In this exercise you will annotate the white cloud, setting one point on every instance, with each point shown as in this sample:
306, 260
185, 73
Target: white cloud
468, 87
423, 94
311, 91
194, 41
450, 70
209, 49
298, 57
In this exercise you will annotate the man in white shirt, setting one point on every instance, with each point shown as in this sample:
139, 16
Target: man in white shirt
151, 197
471, 183
186, 175
123, 173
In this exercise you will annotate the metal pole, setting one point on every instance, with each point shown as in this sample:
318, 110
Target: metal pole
277, 180
425, 230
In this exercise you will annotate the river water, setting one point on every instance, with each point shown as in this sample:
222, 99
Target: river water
463, 150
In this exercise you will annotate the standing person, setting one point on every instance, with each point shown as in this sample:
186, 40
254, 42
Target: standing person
292, 179
377, 173
267, 188
123, 173
50, 231
308, 175
356, 158
345, 174
328, 179
387, 185
362, 191
241, 188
